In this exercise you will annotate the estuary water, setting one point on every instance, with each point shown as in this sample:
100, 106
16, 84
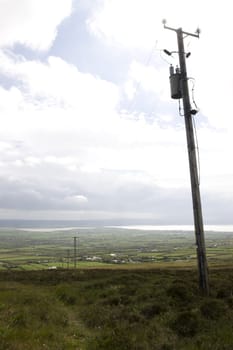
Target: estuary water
68, 225
215, 228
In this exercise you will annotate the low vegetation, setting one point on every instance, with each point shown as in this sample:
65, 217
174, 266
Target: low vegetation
115, 309
132, 290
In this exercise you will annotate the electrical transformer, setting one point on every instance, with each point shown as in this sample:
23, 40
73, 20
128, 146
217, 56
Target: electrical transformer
175, 83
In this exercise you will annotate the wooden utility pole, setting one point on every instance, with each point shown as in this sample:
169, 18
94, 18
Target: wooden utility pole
196, 198
68, 259
75, 252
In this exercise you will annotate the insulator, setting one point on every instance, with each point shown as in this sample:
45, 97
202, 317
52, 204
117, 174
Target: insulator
171, 70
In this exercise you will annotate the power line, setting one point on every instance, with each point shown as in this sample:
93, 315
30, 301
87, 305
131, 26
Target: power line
198, 151
138, 85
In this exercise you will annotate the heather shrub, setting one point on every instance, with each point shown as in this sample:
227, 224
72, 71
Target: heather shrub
213, 309
186, 324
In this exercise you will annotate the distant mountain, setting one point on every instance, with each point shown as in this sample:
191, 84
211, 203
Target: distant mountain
71, 223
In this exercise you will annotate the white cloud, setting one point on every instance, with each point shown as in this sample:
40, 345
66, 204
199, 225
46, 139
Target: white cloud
54, 97
78, 199
32, 161
138, 23
65, 148
31, 23
84, 133
149, 79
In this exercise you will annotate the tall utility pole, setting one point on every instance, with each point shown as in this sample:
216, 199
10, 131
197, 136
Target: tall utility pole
75, 252
196, 198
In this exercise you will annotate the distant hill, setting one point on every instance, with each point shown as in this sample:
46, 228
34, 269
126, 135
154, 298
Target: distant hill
14, 223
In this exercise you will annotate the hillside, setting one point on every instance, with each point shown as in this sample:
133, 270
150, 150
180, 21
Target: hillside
115, 309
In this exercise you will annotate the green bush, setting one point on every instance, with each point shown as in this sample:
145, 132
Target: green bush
213, 309
167, 347
66, 294
186, 324
223, 293
154, 309
18, 319
112, 300
115, 339
230, 302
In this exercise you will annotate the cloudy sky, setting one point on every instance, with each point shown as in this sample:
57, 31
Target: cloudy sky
87, 126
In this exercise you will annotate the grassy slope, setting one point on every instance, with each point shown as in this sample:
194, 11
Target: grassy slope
117, 309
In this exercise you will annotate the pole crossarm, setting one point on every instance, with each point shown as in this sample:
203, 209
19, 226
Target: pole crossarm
196, 35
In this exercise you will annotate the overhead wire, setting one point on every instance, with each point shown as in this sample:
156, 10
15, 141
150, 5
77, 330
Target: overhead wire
147, 62
192, 93
195, 128
180, 110
198, 151
181, 113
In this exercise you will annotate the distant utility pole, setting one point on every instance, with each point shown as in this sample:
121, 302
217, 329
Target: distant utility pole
68, 259
180, 83
75, 252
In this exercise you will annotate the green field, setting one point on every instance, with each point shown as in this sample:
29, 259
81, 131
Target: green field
25, 250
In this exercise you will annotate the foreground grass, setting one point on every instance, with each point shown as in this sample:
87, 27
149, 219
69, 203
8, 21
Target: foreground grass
93, 309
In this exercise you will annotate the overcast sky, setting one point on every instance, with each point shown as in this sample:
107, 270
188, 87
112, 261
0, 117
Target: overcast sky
87, 126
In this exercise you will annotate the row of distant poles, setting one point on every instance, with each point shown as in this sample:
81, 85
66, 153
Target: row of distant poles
75, 251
